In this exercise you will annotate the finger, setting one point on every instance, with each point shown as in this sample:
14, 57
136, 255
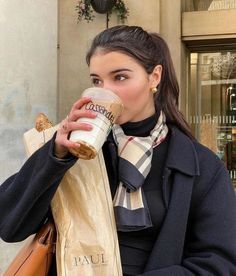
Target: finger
70, 126
64, 126
69, 144
80, 126
81, 102
62, 139
76, 114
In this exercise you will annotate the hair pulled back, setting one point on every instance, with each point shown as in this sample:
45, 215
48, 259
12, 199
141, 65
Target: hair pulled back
149, 50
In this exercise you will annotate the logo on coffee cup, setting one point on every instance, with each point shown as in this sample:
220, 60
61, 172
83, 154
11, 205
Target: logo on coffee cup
102, 110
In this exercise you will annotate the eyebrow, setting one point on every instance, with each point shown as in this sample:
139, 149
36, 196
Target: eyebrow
112, 72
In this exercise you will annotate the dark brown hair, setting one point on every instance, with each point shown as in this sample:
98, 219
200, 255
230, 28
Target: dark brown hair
149, 50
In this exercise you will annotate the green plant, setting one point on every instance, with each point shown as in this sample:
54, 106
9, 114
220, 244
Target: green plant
121, 10
85, 10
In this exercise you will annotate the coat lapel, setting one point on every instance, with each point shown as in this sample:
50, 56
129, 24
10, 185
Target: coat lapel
182, 158
168, 248
179, 175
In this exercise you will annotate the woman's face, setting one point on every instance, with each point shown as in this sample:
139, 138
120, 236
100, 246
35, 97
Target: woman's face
127, 78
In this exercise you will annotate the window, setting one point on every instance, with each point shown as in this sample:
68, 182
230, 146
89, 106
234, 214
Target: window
212, 104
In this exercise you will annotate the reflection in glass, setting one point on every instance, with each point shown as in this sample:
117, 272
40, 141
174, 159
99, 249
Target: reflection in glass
209, 5
212, 104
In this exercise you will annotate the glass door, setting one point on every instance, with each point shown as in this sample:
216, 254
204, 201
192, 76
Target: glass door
212, 104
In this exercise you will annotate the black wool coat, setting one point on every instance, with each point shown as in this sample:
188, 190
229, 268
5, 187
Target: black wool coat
198, 234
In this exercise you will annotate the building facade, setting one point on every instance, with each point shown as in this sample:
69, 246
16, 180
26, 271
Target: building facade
43, 60
208, 32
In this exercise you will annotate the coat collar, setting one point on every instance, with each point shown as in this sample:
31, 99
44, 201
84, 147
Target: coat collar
182, 155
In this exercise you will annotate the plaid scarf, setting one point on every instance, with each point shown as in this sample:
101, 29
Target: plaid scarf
135, 156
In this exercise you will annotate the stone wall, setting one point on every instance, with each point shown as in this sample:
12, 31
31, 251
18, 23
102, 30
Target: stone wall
28, 81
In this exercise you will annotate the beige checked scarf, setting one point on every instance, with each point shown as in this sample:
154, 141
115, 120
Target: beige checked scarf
135, 156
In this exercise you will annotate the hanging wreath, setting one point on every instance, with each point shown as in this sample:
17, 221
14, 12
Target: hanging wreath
85, 9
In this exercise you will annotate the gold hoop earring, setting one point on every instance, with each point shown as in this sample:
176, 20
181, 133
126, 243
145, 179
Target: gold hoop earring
154, 90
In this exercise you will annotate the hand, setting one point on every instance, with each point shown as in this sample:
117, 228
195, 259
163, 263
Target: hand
62, 143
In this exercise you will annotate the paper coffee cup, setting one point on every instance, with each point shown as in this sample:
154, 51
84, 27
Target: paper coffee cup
108, 107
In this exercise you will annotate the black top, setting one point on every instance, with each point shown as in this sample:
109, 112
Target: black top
135, 247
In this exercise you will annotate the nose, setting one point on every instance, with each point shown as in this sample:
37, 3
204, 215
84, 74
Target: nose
109, 86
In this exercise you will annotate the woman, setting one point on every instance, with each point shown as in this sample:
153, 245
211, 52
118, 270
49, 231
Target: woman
187, 222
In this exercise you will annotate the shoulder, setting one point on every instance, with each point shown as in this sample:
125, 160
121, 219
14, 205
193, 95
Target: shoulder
194, 159
189, 156
191, 148
210, 165
213, 176
207, 158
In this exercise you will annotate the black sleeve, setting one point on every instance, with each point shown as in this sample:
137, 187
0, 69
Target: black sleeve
25, 197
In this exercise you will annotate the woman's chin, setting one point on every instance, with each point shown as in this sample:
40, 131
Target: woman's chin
120, 120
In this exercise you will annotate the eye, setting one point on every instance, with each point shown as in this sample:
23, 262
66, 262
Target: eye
120, 77
96, 81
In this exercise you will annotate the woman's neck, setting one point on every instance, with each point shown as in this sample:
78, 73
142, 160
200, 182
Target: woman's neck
141, 128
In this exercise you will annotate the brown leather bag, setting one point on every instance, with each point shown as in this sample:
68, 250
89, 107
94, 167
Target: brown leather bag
35, 258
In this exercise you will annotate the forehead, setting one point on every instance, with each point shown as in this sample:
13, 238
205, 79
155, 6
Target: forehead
103, 59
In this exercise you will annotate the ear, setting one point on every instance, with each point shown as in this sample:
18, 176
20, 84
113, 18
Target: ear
155, 76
